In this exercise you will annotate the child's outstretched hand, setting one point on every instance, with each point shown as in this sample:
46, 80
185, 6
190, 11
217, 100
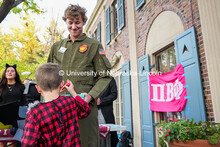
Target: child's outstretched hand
70, 87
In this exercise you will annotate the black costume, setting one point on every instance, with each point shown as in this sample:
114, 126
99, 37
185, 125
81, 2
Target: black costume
106, 107
11, 98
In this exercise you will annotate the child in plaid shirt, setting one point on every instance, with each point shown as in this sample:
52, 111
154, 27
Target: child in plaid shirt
55, 122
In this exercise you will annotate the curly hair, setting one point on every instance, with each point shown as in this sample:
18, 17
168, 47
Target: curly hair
73, 11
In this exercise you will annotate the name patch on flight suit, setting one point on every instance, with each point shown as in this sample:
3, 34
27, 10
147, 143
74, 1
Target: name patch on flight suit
62, 49
83, 48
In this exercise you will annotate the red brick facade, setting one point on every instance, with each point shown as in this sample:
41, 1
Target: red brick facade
188, 12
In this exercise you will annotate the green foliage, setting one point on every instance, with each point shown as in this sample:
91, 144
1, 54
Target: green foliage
184, 130
26, 42
26, 6
21, 46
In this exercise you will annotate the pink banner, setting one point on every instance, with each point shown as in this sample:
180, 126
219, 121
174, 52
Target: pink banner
167, 91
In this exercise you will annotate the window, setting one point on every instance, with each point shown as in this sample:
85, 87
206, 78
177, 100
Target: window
139, 3
117, 17
107, 26
121, 14
115, 20
98, 32
166, 62
118, 103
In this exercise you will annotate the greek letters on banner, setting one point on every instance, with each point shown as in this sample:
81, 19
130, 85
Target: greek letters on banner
168, 91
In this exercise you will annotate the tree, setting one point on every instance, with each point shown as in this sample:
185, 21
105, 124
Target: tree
53, 34
6, 47
8, 5
26, 41
22, 46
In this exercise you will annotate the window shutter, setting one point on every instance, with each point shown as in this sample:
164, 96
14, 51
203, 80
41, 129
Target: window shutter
147, 125
99, 32
187, 54
121, 15
126, 96
107, 26
139, 3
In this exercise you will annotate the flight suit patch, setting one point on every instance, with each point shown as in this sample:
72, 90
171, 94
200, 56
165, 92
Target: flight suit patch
101, 52
83, 48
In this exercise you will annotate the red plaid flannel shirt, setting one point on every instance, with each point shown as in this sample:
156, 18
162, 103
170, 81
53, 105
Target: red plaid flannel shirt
55, 123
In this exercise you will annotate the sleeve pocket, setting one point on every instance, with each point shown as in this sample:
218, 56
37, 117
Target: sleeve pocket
106, 61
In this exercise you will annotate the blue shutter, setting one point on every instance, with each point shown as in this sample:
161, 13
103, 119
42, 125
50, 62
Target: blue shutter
121, 15
146, 115
187, 53
139, 3
99, 32
126, 96
107, 26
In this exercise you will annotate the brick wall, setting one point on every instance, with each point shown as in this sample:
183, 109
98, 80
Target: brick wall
188, 12
121, 42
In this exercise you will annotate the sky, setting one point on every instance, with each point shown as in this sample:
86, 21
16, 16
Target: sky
55, 9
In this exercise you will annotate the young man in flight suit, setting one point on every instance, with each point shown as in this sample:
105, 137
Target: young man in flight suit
83, 62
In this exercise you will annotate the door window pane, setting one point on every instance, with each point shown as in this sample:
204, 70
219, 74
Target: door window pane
118, 102
166, 62
172, 59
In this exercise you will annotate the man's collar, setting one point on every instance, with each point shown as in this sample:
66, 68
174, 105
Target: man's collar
83, 37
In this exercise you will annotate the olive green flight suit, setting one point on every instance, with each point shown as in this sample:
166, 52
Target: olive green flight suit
84, 63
